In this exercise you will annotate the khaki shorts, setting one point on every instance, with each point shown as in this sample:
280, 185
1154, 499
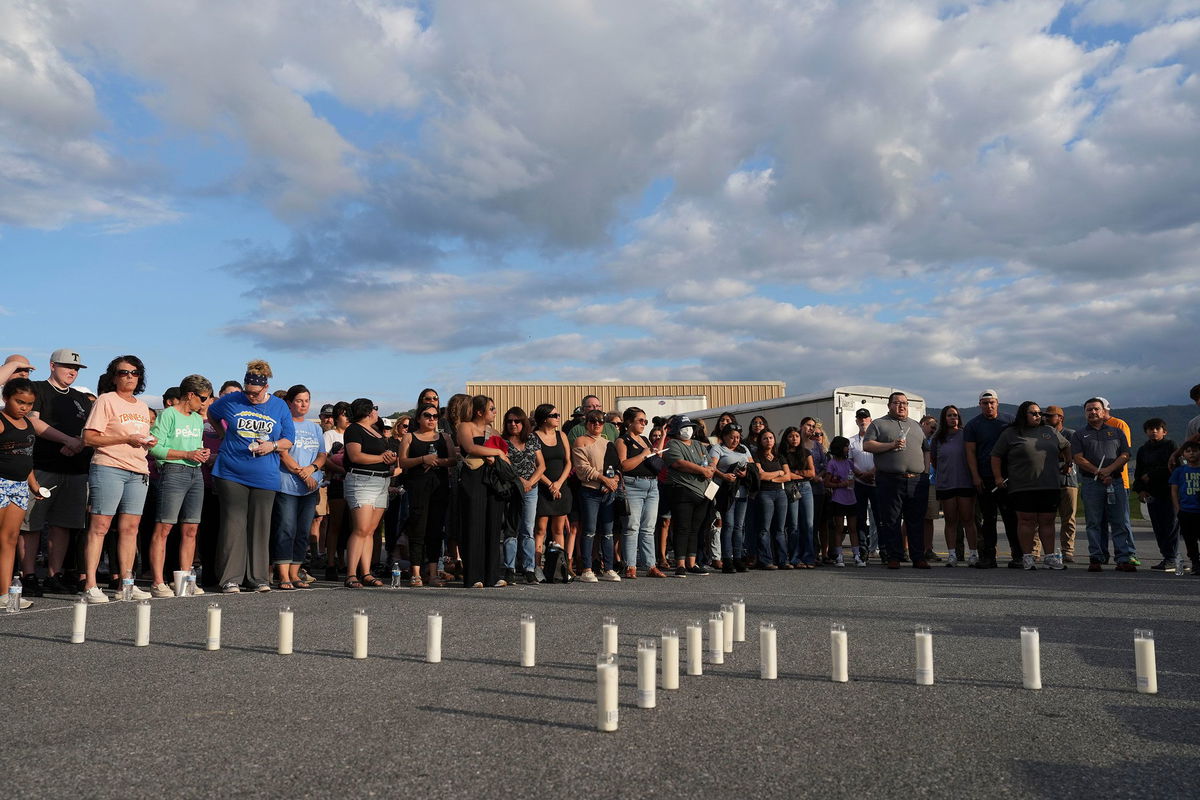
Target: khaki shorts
67, 504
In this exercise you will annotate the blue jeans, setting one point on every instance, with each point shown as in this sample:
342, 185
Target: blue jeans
597, 513
799, 526
1098, 513
868, 535
1166, 526
733, 527
524, 538
291, 522
638, 544
900, 499
117, 491
772, 508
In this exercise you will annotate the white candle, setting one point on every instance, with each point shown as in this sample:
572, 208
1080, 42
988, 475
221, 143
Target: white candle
433, 637
716, 638
606, 692
214, 627
837, 647
670, 658
768, 668
1143, 655
143, 624
528, 640
739, 619
284, 647
1031, 658
694, 644
608, 635
79, 623
360, 633
924, 643
727, 627
646, 662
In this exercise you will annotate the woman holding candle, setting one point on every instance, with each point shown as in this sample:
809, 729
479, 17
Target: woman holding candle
257, 426
1036, 453
426, 456
119, 429
953, 484
296, 501
370, 460
480, 510
597, 467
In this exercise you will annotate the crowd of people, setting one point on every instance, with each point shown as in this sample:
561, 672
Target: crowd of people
239, 486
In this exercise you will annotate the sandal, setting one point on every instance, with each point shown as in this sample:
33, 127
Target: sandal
416, 582
286, 586
299, 584
370, 580
352, 582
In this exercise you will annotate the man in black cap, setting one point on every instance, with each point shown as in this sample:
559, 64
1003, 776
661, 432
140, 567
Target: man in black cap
979, 436
63, 467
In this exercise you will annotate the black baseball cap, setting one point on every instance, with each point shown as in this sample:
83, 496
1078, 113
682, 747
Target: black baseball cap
861, 413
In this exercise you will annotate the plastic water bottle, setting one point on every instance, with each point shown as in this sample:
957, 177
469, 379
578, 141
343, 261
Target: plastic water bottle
14, 596
127, 587
190, 590
395, 574
609, 472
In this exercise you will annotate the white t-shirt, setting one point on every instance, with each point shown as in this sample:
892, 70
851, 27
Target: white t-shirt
862, 460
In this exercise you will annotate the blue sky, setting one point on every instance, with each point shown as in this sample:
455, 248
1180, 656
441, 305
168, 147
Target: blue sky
380, 196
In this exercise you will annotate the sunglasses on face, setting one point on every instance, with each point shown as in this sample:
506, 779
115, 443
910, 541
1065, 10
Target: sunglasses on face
555, 415
512, 422
1034, 413
427, 415
203, 398
129, 373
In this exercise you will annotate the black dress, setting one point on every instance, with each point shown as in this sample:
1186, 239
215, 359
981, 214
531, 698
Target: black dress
555, 456
480, 517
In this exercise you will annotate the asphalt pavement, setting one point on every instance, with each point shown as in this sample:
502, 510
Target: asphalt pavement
107, 719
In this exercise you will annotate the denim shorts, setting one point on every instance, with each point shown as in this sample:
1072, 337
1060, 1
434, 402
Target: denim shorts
180, 494
117, 491
365, 490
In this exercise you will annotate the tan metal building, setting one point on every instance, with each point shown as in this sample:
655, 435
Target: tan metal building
655, 398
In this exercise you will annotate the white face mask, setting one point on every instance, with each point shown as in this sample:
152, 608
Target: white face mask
685, 433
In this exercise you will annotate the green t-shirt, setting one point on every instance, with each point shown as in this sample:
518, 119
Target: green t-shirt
176, 431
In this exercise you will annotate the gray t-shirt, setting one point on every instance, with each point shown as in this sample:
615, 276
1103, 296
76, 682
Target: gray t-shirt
728, 460
693, 451
951, 467
1101, 447
1032, 455
889, 429
1193, 427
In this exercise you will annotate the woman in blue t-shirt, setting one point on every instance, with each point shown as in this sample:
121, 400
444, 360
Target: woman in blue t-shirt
296, 502
256, 426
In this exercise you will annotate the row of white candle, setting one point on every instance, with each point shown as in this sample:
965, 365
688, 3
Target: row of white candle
724, 628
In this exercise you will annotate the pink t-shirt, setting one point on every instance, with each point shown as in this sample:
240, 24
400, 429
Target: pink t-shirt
114, 416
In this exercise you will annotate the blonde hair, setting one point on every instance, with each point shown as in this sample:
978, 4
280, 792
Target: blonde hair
259, 367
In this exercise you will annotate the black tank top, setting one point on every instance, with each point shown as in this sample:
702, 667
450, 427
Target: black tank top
633, 448
418, 448
16, 450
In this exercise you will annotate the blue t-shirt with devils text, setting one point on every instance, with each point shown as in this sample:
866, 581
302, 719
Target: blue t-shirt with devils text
244, 424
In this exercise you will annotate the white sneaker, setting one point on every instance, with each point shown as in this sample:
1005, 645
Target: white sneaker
230, 588
23, 604
841, 561
952, 559
197, 591
588, 577
1054, 561
858, 562
610, 575
140, 594
1027, 561
94, 595
972, 558
161, 590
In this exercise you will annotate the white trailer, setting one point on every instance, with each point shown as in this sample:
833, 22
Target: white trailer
834, 407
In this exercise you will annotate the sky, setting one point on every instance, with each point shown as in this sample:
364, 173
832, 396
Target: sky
380, 196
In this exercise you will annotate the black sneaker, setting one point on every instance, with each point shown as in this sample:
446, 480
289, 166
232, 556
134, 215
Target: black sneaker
727, 567
510, 576
1015, 564
681, 572
1163, 565
531, 578
331, 574
698, 570
57, 584
740, 565
31, 586
933, 557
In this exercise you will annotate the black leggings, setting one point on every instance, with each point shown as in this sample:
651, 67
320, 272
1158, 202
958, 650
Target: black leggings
688, 511
1189, 529
427, 498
